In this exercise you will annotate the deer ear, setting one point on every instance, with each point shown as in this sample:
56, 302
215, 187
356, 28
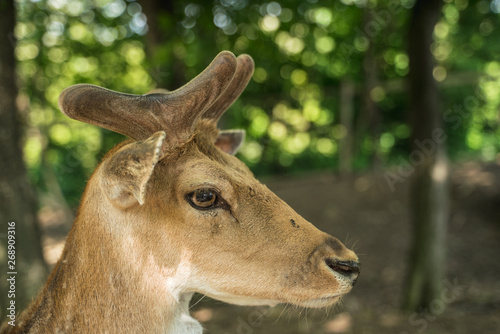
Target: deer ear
125, 175
230, 141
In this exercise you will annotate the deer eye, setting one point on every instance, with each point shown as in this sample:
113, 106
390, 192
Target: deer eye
204, 198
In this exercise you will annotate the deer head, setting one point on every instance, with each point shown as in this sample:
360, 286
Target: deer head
175, 212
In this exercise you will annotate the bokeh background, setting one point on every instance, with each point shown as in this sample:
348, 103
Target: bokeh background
336, 124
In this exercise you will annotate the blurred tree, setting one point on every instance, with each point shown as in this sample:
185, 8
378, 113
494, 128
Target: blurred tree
63, 43
429, 187
370, 118
346, 116
293, 109
166, 70
17, 198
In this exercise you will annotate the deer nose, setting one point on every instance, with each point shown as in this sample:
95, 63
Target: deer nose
348, 269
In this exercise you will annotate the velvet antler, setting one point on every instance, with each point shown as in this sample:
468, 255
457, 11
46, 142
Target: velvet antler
242, 75
139, 116
244, 71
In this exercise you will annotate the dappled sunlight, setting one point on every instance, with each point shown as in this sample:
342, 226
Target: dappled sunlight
259, 75
322, 16
203, 315
297, 143
441, 50
440, 171
269, 23
441, 30
377, 94
277, 131
259, 122
52, 250
289, 44
325, 44
33, 150
62, 45
326, 146
328, 106
339, 131
252, 151
298, 77
60, 134
26, 51
341, 323
398, 62
387, 141
80, 33
439, 73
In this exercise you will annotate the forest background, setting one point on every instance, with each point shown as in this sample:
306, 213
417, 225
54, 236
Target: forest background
332, 94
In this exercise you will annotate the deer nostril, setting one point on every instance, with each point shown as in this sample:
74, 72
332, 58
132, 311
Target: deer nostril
350, 269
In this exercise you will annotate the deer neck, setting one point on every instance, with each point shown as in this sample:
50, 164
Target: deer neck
104, 282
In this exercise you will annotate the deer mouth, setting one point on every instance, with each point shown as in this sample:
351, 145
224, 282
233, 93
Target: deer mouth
347, 271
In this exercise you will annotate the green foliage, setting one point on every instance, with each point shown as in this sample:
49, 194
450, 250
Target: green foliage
303, 51
61, 43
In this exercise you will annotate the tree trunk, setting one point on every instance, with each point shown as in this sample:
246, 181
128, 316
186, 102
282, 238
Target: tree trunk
167, 70
370, 118
429, 187
347, 92
17, 198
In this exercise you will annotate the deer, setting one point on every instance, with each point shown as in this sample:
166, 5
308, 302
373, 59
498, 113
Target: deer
171, 212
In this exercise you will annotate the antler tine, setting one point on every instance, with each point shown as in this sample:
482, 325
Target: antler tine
244, 71
139, 116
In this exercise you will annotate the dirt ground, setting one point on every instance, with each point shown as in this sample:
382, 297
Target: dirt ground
363, 212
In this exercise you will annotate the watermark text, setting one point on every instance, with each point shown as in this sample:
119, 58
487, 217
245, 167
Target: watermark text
11, 272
